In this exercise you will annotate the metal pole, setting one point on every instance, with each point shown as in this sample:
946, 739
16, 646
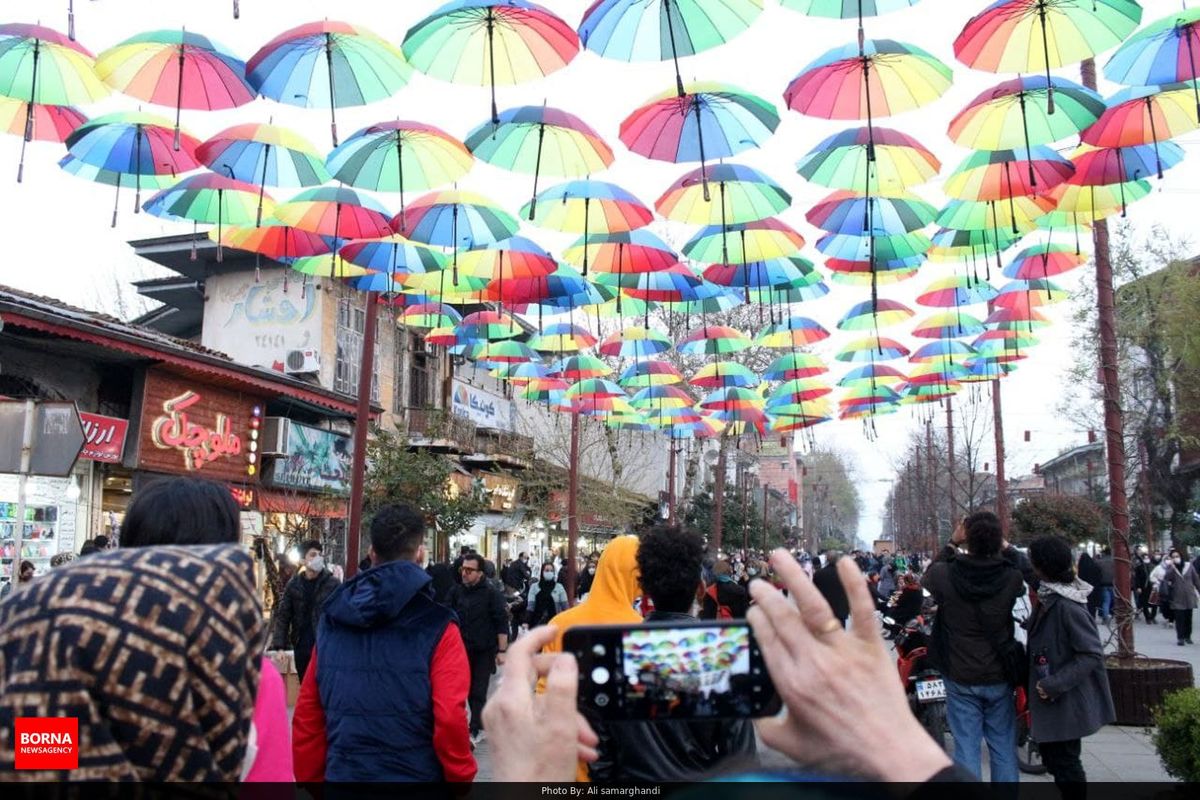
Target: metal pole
950, 461
573, 509
1114, 422
671, 484
766, 505
719, 496
1001, 481
362, 420
22, 478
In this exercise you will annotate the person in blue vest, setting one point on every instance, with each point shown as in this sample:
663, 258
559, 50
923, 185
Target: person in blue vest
385, 698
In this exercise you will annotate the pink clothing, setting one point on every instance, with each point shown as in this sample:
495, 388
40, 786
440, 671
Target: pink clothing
273, 761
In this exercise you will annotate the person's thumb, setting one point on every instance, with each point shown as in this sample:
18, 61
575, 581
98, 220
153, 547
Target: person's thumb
562, 689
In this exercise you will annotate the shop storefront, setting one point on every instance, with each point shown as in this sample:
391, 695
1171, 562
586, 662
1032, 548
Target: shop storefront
56, 517
112, 482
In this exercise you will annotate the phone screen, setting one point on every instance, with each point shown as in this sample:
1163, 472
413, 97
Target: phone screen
663, 672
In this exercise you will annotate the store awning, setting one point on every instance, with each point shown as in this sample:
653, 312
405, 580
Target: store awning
271, 501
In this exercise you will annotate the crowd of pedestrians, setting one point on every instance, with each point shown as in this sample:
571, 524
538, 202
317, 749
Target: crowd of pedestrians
395, 664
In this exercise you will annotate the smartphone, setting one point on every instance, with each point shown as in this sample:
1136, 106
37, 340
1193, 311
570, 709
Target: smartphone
671, 671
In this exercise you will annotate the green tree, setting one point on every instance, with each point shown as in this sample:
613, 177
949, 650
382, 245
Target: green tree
398, 474
736, 523
1076, 518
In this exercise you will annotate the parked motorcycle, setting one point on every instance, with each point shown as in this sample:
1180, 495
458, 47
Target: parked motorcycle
922, 681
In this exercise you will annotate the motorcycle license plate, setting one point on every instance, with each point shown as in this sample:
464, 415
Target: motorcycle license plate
931, 691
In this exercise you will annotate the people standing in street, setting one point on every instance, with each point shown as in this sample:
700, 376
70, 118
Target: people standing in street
668, 562
724, 598
1181, 585
522, 572
973, 642
1069, 697
830, 586
1142, 587
385, 699
24, 575
295, 621
1161, 600
1107, 571
547, 598
483, 615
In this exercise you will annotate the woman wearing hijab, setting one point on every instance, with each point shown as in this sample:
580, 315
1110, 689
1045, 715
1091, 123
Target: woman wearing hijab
547, 598
1181, 588
162, 671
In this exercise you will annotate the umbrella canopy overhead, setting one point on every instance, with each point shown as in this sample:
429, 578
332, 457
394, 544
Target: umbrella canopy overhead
743, 195
840, 162
399, 156
1014, 114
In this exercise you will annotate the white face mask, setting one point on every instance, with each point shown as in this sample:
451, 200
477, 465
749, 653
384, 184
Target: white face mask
1177, 561
316, 563
548, 575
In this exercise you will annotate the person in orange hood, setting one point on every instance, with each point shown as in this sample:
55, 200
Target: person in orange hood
610, 602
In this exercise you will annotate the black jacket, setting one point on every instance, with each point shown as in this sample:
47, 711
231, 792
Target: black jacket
482, 615
675, 750
729, 594
830, 586
290, 617
975, 598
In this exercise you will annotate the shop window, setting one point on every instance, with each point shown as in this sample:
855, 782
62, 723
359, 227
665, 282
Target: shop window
420, 373
351, 323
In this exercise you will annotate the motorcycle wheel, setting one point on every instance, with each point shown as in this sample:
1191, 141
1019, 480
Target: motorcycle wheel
1029, 758
933, 719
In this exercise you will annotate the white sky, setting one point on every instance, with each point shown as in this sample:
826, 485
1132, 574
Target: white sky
58, 240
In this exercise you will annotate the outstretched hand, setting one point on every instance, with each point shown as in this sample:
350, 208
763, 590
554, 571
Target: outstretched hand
846, 710
538, 737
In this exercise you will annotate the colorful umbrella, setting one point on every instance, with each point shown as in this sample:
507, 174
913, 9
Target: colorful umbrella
873, 316
1044, 260
712, 340
622, 252
897, 162
328, 64
743, 195
777, 273
490, 325
871, 349
792, 332
1145, 115
844, 212
1005, 174
580, 367
1014, 114
394, 256
431, 315
956, 290
946, 325
641, 374
536, 140
457, 219
635, 343
655, 30
709, 120
870, 375
335, 212
1039, 35
490, 43
42, 67
1162, 52
206, 198
132, 143
264, 154
50, 123
179, 69
795, 365
744, 243
720, 374
847, 9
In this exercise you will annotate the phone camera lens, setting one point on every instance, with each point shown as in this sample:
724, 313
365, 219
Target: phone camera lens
601, 700
600, 675
599, 651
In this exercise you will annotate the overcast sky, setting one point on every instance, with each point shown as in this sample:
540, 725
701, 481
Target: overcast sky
58, 239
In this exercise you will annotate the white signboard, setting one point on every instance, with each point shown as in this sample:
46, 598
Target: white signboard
485, 409
258, 322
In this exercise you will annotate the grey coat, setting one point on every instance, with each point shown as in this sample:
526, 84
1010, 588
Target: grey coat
1182, 588
1063, 632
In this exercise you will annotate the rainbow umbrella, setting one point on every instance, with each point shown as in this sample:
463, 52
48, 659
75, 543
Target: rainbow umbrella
336, 212
399, 156
795, 392
523, 374
658, 398
50, 123
1004, 174
135, 144
847, 9
795, 365
513, 258
41, 67
560, 285
1145, 115
845, 211
176, 68
655, 30
734, 404
946, 325
839, 85
641, 374
707, 298
456, 218
1040, 35
1033, 292
335, 267
431, 315
562, 337
897, 162
276, 241
777, 273
1100, 166
709, 120
956, 290
205, 198
744, 242
635, 343
588, 206
959, 244
622, 252
328, 64
536, 140
996, 219
792, 332
488, 43
1013, 115
873, 316
744, 195
393, 255
1042, 261
580, 367
871, 374
871, 349
81, 169
1162, 52
490, 325
264, 154
900, 247
812, 287
719, 374
1085, 204
673, 284
982, 370
712, 340
508, 352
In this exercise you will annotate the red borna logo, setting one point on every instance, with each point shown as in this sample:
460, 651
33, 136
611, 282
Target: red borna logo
47, 743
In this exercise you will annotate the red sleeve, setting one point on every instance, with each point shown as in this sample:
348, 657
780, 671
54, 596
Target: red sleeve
450, 676
308, 729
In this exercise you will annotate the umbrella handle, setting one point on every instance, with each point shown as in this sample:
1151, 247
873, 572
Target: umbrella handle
237, 9
116, 200
21, 164
71, 20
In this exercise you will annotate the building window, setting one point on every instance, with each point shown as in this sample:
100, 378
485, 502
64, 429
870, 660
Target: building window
351, 323
420, 373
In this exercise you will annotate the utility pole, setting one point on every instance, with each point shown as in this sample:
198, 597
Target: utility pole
1114, 422
1001, 481
950, 462
672, 444
718, 520
931, 487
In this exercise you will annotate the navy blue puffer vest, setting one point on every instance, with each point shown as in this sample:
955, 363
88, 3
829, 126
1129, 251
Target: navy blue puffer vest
375, 642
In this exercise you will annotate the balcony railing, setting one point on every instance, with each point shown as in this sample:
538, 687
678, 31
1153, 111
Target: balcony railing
436, 427
509, 445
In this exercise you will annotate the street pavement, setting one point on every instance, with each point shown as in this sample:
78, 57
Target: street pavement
1113, 754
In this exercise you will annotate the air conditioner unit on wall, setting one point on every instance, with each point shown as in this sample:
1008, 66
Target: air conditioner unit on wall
274, 436
302, 362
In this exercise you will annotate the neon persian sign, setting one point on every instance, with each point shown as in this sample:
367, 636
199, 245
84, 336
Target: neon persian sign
198, 444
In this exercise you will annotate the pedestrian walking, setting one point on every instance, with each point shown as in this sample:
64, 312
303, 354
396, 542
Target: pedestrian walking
724, 598
675, 750
1107, 572
295, 622
187, 511
547, 598
1181, 586
1089, 573
103, 641
385, 699
1069, 697
1144, 589
973, 643
483, 616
